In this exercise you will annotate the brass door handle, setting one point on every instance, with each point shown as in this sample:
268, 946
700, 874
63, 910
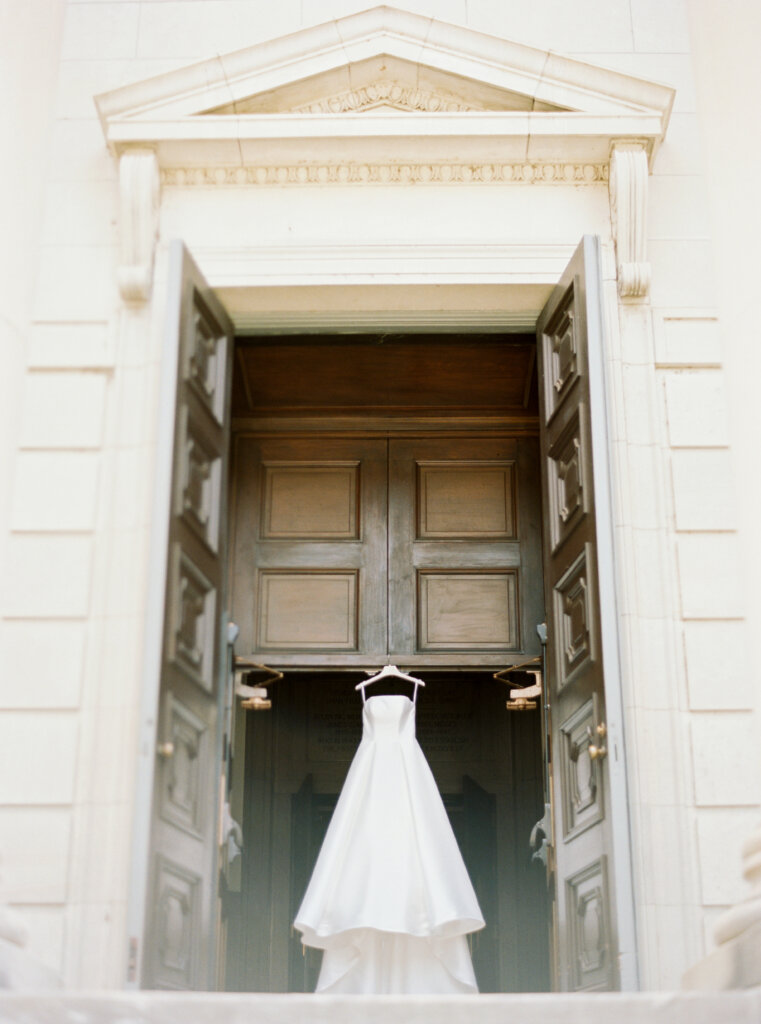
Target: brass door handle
165, 750
597, 749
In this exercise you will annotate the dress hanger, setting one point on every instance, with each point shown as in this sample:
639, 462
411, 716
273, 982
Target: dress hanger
385, 672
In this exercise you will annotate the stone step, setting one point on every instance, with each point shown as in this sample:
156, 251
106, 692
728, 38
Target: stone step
215, 1008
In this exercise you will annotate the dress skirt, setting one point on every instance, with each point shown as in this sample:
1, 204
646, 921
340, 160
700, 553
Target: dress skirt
390, 901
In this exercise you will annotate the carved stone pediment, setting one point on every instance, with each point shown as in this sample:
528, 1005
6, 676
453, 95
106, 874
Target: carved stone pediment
385, 79
385, 96
383, 83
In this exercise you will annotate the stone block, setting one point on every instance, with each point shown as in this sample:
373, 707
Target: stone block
588, 26
85, 211
675, 946
718, 673
721, 833
678, 207
710, 575
655, 745
660, 27
683, 340
42, 664
47, 927
725, 759
97, 873
696, 408
683, 273
645, 510
100, 30
63, 410
55, 491
76, 282
660, 844
71, 346
34, 854
200, 28
656, 682
78, 152
316, 11
679, 153
47, 577
653, 568
640, 408
241, 1008
704, 492
37, 757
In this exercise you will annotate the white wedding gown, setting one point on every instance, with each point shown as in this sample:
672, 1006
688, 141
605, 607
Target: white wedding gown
390, 901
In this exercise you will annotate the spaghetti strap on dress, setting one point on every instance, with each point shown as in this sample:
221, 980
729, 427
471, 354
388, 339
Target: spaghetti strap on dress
390, 901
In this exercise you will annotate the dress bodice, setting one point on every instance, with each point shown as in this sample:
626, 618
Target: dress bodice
388, 718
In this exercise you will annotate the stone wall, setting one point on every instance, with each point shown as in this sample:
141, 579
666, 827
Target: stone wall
81, 386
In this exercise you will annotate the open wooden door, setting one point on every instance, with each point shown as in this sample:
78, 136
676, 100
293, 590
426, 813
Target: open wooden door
171, 916
594, 918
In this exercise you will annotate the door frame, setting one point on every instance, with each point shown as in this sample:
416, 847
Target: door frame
483, 320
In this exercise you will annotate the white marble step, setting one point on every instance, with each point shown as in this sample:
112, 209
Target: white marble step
213, 1008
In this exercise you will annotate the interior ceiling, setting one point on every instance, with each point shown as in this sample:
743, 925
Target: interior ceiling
372, 375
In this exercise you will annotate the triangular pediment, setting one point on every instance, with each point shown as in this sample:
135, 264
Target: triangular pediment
390, 74
383, 83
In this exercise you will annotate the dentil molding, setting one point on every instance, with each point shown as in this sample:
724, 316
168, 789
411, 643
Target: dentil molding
343, 173
139, 187
628, 210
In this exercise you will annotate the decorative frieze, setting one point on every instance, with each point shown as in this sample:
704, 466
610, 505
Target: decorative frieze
628, 210
139, 214
390, 174
385, 94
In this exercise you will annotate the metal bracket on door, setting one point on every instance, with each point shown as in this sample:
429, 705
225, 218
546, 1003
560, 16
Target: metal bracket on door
522, 698
255, 698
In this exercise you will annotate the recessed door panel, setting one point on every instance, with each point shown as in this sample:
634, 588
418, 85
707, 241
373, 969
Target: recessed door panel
317, 501
310, 549
458, 501
467, 610
464, 550
307, 610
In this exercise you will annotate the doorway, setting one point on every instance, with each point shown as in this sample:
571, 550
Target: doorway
385, 507
409, 391
487, 765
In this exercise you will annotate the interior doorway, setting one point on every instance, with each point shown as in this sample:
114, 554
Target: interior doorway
385, 506
487, 765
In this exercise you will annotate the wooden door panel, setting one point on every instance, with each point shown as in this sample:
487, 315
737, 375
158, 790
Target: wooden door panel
310, 502
465, 610
575, 489
180, 889
307, 610
464, 552
463, 500
310, 548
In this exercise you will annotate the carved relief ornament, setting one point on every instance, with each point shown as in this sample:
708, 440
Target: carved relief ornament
628, 209
387, 94
139, 185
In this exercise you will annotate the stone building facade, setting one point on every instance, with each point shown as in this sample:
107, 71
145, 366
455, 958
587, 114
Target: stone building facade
336, 171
